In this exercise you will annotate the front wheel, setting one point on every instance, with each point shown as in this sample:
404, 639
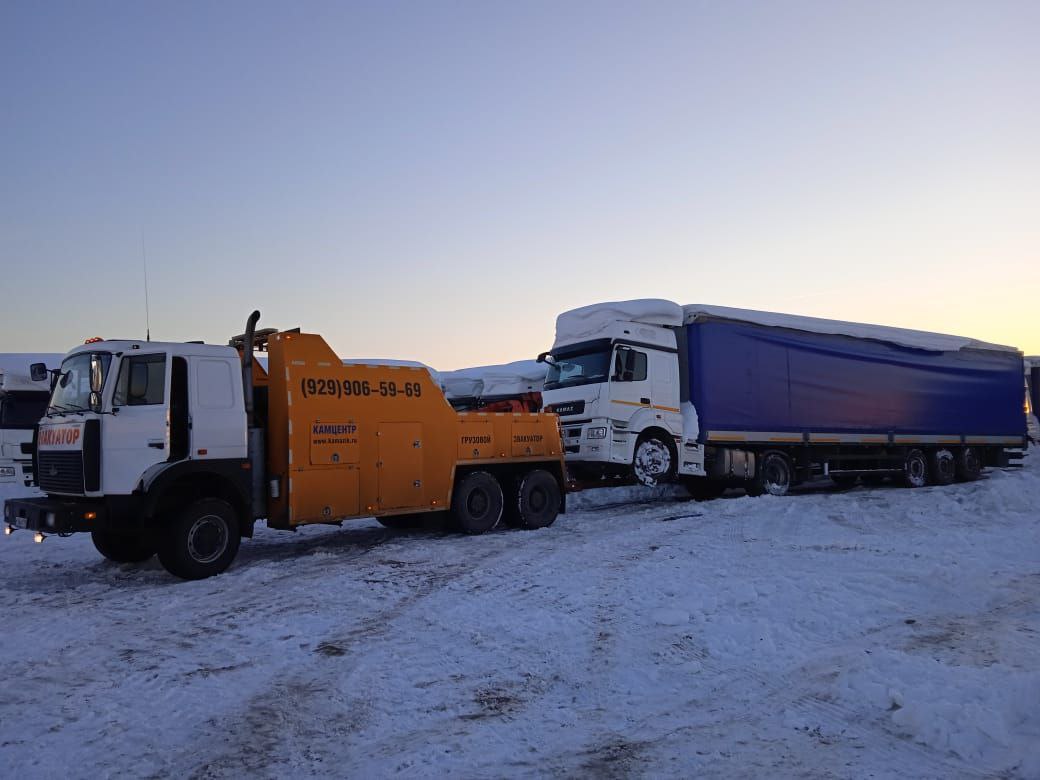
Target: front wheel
201, 541
653, 462
123, 549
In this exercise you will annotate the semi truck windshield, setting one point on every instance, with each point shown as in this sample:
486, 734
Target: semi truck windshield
72, 391
583, 368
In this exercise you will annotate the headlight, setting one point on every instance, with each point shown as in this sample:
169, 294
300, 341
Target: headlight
596, 433
7, 471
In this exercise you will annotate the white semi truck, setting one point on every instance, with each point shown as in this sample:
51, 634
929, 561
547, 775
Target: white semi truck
22, 403
714, 396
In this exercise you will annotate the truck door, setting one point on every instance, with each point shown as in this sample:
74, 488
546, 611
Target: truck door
629, 383
137, 436
218, 416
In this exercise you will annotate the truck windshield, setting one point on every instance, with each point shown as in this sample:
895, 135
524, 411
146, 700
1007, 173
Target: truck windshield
584, 368
72, 392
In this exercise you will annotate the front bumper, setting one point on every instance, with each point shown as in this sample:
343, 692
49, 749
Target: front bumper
54, 516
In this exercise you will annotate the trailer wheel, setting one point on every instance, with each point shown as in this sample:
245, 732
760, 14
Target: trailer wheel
773, 475
942, 467
915, 469
201, 541
969, 467
537, 500
653, 462
123, 549
477, 503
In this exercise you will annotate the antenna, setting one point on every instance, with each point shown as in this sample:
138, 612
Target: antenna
147, 317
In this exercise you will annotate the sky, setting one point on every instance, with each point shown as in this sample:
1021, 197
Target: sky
436, 181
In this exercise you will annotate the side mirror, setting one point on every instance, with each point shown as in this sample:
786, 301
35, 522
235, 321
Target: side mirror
97, 378
38, 372
545, 357
95, 401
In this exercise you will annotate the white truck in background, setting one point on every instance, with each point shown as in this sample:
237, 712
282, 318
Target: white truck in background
22, 403
714, 397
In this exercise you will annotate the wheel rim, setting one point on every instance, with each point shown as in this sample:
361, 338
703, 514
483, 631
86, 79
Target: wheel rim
478, 504
207, 538
777, 477
945, 461
653, 460
916, 469
537, 501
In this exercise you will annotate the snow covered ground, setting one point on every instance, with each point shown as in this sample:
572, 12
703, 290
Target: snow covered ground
877, 632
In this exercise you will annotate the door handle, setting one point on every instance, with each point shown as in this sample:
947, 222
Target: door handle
644, 401
159, 444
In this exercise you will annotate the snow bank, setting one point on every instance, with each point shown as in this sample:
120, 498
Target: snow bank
521, 376
586, 322
908, 338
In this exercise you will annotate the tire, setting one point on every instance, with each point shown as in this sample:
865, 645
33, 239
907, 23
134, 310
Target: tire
969, 465
703, 489
477, 503
653, 462
773, 475
844, 481
201, 541
123, 549
915, 469
942, 467
537, 500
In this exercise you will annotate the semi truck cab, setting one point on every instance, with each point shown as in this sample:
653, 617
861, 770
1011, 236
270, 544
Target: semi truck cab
614, 378
22, 403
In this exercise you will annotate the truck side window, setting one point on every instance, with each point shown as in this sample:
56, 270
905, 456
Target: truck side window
214, 385
629, 366
141, 382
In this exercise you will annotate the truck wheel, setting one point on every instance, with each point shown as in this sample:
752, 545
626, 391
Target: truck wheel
773, 476
201, 541
477, 503
968, 467
537, 500
653, 462
942, 467
915, 469
123, 549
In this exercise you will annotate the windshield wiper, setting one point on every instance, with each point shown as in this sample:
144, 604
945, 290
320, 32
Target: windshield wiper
63, 410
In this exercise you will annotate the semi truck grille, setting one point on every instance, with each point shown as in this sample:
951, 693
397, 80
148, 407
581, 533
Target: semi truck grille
60, 472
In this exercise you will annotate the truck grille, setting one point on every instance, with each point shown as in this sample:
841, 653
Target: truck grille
60, 472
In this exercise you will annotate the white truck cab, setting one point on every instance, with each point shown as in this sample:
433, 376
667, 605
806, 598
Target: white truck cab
22, 403
154, 409
614, 378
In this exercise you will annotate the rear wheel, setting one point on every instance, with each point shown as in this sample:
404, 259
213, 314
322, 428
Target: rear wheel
201, 541
477, 503
773, 475
653, 462
537, 500
123, 549
969, 466
942, 467
915, 469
